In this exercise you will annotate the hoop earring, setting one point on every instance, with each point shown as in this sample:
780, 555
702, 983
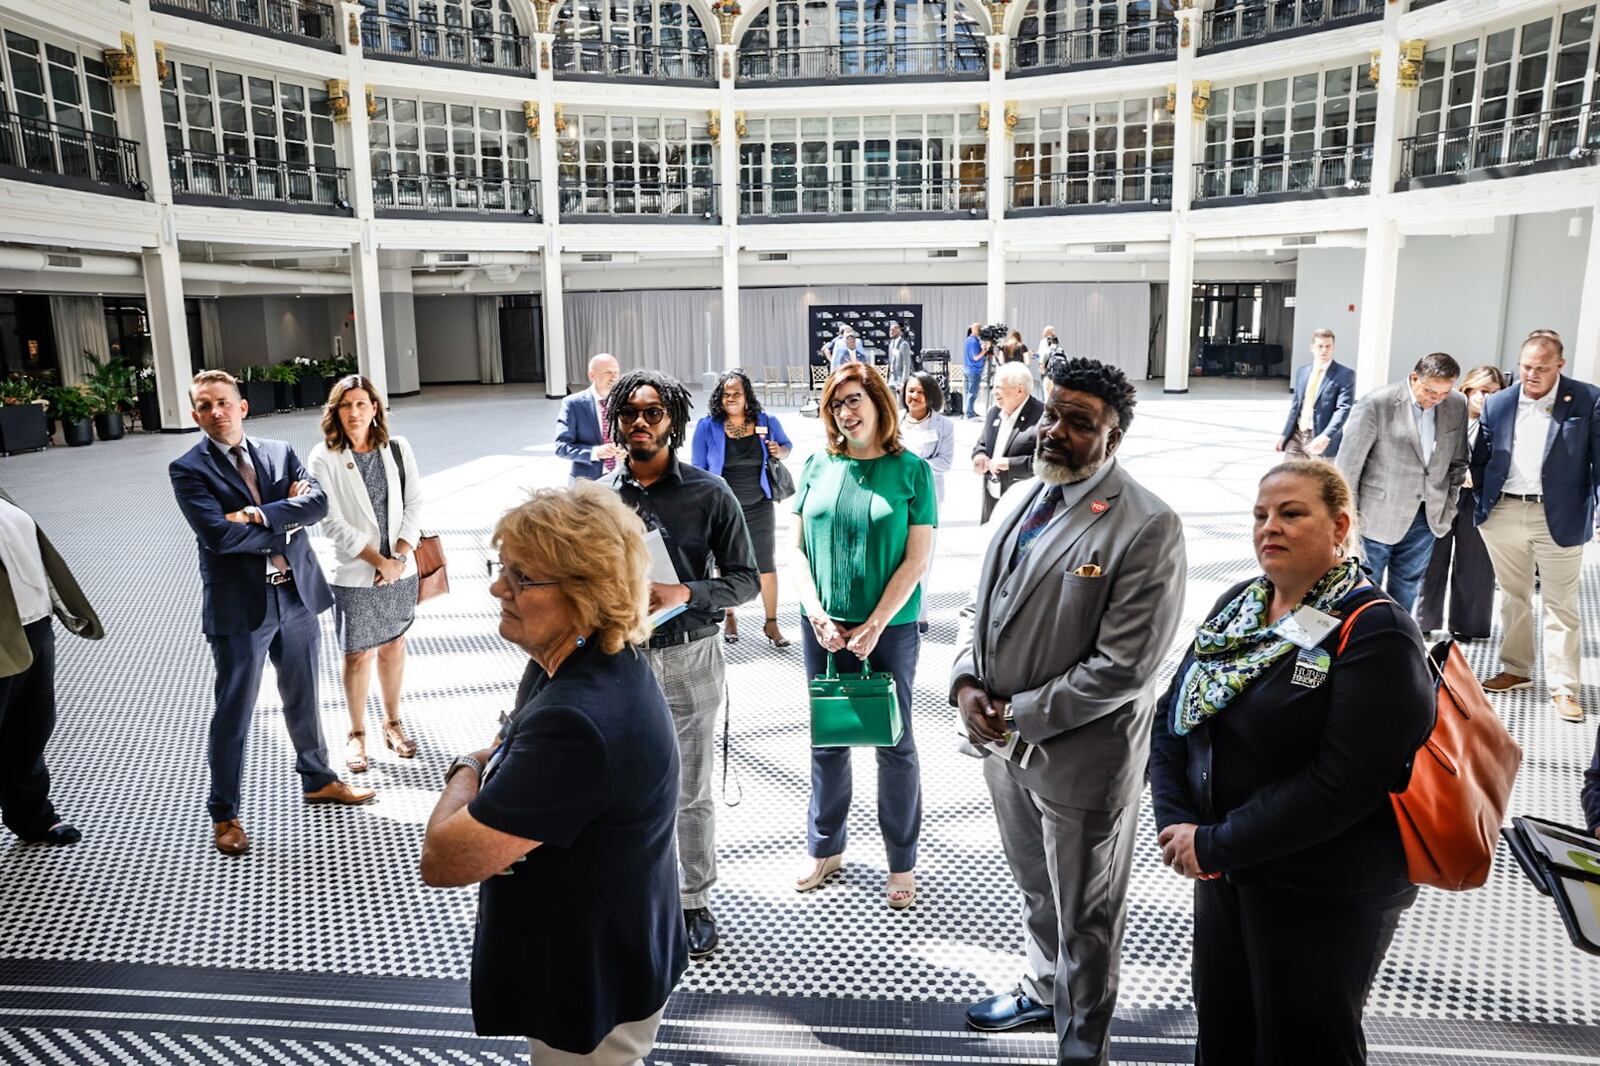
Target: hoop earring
1339, 551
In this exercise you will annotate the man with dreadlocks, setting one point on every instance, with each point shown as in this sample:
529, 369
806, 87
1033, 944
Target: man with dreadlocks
703, 527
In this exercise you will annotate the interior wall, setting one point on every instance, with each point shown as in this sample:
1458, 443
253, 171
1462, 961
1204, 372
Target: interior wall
1328, 296
400, 342
244, 334
1546, 271
296, 327
1451, 297
446, 339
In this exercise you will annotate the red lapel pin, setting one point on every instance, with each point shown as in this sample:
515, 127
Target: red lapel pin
1099, 506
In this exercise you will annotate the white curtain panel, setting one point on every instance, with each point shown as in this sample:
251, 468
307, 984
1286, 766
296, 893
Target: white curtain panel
1108, 321
211, 332
678, 331
491, 368
79, 324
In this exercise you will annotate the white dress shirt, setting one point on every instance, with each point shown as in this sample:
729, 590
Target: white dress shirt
1002, 441
19, 550
1526, 476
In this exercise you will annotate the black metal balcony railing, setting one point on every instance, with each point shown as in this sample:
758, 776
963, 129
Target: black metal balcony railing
1259, 19
835, 62
292, 18
41, 147
946, 196
253, 180
1566, 136
1088, 190
1105, 44
653, 199
1286, 173
616, 59
393, 37
455, 195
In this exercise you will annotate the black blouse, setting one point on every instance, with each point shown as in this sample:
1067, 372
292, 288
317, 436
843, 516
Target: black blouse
1290, 784
741, 468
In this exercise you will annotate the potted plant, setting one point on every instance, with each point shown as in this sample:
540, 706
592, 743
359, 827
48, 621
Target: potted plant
258, 391
334, 369
75, 409
283, 376
22, 421
112, 384
149, 402
308, 390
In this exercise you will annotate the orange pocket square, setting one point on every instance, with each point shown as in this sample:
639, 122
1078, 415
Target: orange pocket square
1087, 570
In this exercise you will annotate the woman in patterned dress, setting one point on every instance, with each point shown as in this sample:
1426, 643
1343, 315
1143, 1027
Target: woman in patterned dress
374, 510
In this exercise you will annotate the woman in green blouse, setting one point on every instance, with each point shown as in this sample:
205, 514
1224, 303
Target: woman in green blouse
867, 511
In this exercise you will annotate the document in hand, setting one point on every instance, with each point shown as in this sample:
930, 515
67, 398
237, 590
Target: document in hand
662, 572
1564, 864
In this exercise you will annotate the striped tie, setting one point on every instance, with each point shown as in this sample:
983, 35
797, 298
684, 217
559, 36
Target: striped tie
1033, 523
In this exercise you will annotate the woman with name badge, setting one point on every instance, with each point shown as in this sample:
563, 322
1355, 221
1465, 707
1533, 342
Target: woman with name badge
1296, 712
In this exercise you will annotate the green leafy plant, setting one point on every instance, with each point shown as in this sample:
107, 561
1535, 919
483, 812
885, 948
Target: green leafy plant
286, 373
113, 382
69, 403
339, 366
17, 390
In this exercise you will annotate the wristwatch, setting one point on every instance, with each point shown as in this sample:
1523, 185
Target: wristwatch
254, 514
463, 761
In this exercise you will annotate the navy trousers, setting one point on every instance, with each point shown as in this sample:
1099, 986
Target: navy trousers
1399, 567
899, 772
291, 635
27, 718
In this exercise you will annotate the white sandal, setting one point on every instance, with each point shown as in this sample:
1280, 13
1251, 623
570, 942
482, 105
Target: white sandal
825, 869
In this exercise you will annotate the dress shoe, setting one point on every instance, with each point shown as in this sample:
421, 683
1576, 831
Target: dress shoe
1007, 1011
337, 791
1568, 708
59, 835
1504, 682
230, 837
702, 932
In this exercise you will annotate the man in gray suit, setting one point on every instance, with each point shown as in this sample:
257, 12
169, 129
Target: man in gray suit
900, 360
1404, 453
1078, 599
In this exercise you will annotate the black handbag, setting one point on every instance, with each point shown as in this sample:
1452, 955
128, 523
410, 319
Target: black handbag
779, 478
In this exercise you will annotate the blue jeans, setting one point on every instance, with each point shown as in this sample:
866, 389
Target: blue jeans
899, 772
1405, 561
974, 382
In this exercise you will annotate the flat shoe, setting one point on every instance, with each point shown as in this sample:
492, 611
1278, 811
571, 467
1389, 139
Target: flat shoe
825, 869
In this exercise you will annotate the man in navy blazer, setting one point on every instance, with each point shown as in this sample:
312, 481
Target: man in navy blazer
249, 503
1324, 392
580, 436
1537, 469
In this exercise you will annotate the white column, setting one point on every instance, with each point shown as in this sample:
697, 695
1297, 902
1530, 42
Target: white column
142, 107
995, 293
551, 309
997, 168
728, 206
555, 319
1382, 267
1180, 258
169, 335
366, 289
358, 153
1583, 352
1180, 303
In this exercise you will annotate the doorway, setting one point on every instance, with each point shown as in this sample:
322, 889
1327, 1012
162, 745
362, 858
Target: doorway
521, 338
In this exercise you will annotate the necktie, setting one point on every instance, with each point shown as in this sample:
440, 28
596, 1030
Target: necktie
1033, 523
247, 470
605, 433
1308, 406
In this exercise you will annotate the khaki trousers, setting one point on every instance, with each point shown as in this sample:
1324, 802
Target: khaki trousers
626, 1045
1520, 546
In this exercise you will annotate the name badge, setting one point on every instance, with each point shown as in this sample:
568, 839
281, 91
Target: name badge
1311, 668
1306, 627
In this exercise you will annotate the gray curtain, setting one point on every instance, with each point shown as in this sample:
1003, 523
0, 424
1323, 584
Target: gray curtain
1277, 325
678, 331
211, 332
79, 324
1108, 321
491, 370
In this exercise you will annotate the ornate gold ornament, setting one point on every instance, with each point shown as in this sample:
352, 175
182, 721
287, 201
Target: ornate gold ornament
727, 12
739, 128
714, 125
543, 12
983, 116
530, 116
997, 17
372, 103
544, 55
352, 30
996, 58
1200, 99
1011, 118
1375, 67
561, 121
727, 66
339, 99
1411, 64
122, 67
1183, 33
1170, 104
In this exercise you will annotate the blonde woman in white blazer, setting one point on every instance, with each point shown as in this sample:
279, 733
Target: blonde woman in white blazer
373, 523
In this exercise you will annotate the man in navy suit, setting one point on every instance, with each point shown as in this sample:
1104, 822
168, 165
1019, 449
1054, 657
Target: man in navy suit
1324, 392
1537, 469
248, 502
581, 436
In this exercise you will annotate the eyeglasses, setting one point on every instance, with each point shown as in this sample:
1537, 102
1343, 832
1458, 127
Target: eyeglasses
852, 401
652, 416
517, 578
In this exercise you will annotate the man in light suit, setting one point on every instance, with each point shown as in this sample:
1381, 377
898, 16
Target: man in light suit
1537, 469
1324, 392
901, 363
1078, 599
1004, 452
248, 502
580, 433
1405, 456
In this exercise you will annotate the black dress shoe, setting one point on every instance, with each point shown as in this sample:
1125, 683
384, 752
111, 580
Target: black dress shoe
1007, 1011
702, 932
59, 834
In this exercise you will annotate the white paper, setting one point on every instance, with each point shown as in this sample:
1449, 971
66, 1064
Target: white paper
1306, 627
661, 569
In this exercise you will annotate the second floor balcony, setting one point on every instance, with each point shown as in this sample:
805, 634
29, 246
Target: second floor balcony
1123, 42
428, 195
1523, 144
886, 198
306, 20
626, 61
1076, 191
439, 43
854, 63
263, 184
637, 201
1248, 21
32, 149
1338, 171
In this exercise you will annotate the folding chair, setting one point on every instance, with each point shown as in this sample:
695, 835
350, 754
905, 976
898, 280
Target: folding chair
796, 382
772, 382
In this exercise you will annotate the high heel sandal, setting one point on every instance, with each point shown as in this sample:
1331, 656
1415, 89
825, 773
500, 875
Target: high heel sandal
730, 631
395, 739
770, 630
357, 763
908, 895
826, 868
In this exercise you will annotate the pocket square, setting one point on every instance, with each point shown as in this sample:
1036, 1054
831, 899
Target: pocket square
1087, 570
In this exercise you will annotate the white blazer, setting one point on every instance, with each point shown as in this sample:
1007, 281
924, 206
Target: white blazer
351, 525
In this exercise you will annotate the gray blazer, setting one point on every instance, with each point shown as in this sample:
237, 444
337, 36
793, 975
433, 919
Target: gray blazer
1077, 656
899, 359
1381, 456
67, 599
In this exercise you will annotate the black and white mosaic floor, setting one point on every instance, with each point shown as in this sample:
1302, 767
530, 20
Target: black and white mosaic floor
143, 945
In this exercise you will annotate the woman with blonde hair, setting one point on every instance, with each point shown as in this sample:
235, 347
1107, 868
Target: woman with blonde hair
374, 517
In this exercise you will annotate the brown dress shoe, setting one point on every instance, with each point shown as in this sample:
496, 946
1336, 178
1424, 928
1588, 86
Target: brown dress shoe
230, 837
1568, 708
337, 791
1504, 682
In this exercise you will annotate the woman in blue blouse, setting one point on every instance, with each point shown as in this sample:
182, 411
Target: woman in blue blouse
735, 442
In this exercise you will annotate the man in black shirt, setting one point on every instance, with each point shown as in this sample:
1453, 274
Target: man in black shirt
703, 529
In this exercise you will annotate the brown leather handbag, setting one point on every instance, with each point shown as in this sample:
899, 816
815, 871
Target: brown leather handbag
433, 574
1451, 812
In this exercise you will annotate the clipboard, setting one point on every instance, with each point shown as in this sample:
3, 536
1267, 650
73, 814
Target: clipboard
1564, 864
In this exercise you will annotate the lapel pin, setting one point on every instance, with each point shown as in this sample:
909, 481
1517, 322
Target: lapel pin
1566, 399
1099, 506
349, 466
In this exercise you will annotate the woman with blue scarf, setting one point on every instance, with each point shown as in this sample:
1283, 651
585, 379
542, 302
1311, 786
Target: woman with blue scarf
1274, 752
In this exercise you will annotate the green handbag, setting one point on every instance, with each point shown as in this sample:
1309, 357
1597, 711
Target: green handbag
855, 710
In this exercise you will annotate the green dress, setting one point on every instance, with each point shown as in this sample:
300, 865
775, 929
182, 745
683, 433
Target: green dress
857, 514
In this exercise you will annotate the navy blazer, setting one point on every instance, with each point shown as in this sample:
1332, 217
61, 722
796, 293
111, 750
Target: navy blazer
1571, 472
1334, 400
233, 555
578, 433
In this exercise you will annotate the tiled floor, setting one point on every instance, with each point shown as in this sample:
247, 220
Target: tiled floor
141, 944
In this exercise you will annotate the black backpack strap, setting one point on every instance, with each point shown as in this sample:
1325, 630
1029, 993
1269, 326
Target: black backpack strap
394, 450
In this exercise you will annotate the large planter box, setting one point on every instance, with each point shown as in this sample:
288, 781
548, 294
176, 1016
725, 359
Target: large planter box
261, 396
23, 428
108, 425
309, 392
150, 412
78, 434
283, 395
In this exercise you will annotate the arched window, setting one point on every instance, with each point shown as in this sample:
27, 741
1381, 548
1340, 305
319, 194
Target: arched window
475, 33
861, 38
644, 38
1060, 33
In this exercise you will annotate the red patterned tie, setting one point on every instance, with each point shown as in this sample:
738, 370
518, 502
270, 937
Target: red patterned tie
607, 465
247, 470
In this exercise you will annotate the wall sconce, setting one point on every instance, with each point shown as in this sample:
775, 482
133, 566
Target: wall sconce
1200, 99
339, 99
530, 116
